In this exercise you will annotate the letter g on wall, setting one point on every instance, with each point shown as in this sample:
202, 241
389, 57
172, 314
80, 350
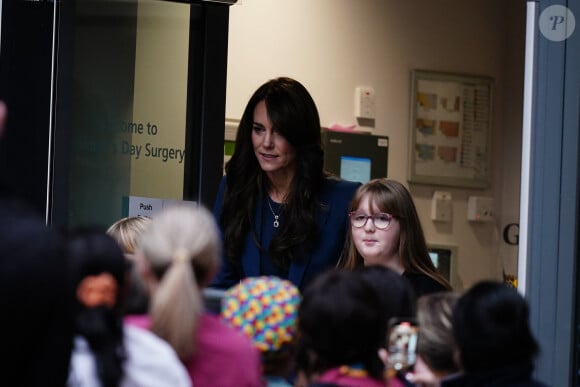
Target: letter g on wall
511, 234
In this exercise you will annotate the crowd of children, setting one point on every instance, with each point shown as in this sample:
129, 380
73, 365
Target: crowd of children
268, 332
125, 307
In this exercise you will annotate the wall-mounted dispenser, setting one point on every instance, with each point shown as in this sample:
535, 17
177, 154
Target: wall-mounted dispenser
441, 206
480, 209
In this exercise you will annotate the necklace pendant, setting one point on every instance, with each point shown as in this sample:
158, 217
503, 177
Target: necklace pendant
276, 223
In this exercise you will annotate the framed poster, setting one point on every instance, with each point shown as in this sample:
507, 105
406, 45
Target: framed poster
450, 134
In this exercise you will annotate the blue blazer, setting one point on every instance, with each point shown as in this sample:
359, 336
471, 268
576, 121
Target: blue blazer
332, 223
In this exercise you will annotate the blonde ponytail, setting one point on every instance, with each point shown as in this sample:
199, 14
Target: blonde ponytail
180, 241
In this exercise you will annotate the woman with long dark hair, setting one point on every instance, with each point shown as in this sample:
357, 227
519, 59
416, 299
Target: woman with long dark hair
279, 212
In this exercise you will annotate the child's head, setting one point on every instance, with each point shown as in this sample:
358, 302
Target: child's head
342, 321
385, 230
126, 232
436, 344
98, 271
265, 310
395, 227
491, 328
181, 249
395, 291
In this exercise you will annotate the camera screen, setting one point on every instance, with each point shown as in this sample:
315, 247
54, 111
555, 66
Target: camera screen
402, 344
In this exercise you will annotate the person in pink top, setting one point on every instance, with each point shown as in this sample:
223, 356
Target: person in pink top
181, 250
342, 327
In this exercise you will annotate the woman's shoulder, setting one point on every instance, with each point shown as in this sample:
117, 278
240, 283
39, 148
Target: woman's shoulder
337, 186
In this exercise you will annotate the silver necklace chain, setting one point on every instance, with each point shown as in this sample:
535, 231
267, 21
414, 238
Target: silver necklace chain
276, 223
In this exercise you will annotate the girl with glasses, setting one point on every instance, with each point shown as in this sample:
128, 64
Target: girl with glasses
385, 230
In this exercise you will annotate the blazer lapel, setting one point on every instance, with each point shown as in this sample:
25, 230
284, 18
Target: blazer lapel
251, 259
298, 268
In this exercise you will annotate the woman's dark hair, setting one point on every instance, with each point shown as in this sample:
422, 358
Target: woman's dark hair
341, 321
294, 115
92, 253
396, 292
491, 330
392, 197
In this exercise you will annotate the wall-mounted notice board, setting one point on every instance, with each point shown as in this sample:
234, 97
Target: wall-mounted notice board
450, 133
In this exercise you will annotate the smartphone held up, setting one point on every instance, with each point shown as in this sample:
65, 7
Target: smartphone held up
402, 344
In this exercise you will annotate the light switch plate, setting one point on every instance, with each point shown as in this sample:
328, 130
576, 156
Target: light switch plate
364, 103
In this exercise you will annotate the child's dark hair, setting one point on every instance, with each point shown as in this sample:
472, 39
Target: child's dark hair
491, 329
92, 254
395, 291
341, 321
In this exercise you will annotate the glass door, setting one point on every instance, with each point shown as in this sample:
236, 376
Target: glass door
129, 128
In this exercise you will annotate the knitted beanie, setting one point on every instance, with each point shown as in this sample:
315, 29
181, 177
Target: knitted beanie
264, 309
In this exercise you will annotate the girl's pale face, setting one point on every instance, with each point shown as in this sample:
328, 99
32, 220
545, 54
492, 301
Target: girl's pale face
376, 246
274, 153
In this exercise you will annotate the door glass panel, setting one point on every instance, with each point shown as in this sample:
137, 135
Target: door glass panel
128, 101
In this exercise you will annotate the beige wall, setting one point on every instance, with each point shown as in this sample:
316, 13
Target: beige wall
332, 46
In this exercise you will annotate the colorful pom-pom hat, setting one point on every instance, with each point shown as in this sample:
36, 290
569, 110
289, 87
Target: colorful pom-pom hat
263, 308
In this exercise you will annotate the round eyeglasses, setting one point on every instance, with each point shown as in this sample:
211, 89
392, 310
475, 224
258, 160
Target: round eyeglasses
381, 220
